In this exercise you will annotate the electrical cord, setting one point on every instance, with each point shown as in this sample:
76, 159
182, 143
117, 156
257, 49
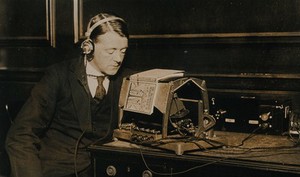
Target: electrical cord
236, 152
251, 135
259, 152
179, 172
76, 152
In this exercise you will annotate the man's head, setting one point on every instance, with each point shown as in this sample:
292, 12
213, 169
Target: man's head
107, 36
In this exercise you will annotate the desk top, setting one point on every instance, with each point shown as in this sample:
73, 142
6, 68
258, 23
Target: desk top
270, 152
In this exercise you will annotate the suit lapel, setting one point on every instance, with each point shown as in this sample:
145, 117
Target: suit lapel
80, 94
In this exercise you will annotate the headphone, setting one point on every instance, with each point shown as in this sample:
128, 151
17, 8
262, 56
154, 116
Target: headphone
88, 45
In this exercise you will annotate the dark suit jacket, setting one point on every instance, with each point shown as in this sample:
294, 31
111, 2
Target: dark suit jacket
50, 126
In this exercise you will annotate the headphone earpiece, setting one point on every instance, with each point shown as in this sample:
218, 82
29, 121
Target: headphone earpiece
87, 47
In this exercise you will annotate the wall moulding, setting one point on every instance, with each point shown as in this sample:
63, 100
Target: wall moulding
238, 21
27, 23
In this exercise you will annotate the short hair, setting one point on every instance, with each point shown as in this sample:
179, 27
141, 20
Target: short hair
117, 25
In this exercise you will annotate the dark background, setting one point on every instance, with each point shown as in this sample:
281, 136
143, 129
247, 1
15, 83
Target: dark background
240, 47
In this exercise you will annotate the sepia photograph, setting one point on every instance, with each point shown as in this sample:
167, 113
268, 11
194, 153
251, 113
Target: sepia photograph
149, 88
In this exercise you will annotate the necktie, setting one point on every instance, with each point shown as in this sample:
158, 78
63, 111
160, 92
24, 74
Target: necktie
100, 90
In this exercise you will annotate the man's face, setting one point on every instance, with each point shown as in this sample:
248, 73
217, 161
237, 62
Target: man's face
109, 53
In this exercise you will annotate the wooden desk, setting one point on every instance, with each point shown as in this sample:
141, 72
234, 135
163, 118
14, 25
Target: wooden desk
259, 156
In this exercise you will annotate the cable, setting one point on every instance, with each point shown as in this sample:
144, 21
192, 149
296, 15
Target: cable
76, 151
179, 172
253, 153
251, 135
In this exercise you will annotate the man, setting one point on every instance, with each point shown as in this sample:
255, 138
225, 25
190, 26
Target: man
70, 107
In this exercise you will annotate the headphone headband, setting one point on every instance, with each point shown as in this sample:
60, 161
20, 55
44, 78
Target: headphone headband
91, 29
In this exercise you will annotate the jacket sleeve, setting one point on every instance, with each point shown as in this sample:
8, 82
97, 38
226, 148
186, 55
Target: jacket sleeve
23, 139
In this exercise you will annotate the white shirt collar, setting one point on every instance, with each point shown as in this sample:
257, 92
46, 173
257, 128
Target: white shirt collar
92, 81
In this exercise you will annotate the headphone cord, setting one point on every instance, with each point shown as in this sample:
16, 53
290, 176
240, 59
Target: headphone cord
76, 152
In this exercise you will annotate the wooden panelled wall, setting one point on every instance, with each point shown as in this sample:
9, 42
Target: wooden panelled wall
239, 47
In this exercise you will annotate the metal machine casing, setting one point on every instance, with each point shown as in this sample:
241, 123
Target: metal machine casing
155, 109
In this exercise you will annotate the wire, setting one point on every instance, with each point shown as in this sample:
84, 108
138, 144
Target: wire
179, 172
229, 152
259, 152
76, 151
251, 135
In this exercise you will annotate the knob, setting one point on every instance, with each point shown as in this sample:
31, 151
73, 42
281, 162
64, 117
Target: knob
147, 173
111, 171
265, 116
